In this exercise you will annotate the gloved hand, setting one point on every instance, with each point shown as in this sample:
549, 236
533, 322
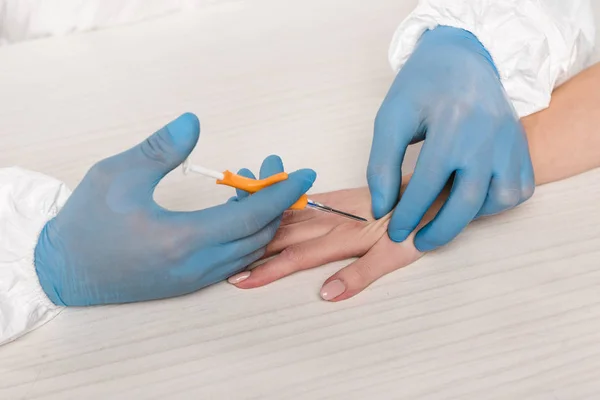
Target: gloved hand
448, 94
111, 243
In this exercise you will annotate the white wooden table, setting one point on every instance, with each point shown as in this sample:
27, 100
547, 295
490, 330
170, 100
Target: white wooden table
511, 310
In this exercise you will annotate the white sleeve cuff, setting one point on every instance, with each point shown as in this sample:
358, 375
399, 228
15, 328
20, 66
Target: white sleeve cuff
535, 44
27, 201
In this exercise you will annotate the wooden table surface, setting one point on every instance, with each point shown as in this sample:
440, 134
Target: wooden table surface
510, 310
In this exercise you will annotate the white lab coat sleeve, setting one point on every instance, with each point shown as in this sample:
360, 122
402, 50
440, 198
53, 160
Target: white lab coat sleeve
29, 19
536, 44
27, 201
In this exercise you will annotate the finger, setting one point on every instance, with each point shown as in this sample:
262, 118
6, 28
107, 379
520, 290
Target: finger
242, 194
466, 198
236, 220
504, 194
271, 165
252, 243
232, 268
305, 255
426, 183
291, 217
164, 150
293, 234
396, 124
384, 257
505, 188
225, 254
232, 199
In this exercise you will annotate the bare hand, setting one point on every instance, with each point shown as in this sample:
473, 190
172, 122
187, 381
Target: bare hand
308, 239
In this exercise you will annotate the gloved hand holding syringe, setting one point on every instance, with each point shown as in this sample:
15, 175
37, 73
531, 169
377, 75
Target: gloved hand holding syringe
254, 185
112, 243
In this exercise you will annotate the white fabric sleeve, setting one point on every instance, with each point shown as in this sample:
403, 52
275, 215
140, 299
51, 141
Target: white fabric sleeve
28, 19
27, 201
535, 44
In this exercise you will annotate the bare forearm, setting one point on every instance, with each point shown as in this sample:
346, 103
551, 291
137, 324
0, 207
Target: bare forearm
564, 139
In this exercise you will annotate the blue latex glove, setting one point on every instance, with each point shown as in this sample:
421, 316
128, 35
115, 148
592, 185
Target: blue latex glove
448, 94
111, 243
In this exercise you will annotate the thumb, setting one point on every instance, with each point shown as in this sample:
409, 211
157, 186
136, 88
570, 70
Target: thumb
170, 146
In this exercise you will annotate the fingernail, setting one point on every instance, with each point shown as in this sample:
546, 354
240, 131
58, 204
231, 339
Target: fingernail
398, 235
332, 290
242, 276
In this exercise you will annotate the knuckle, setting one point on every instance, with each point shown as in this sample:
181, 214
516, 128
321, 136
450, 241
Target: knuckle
288, 216
527, 191
281, 235
364, 274
176, 248
507, 197
367, 272
293, 254
471, 193
101, 174
100, 170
